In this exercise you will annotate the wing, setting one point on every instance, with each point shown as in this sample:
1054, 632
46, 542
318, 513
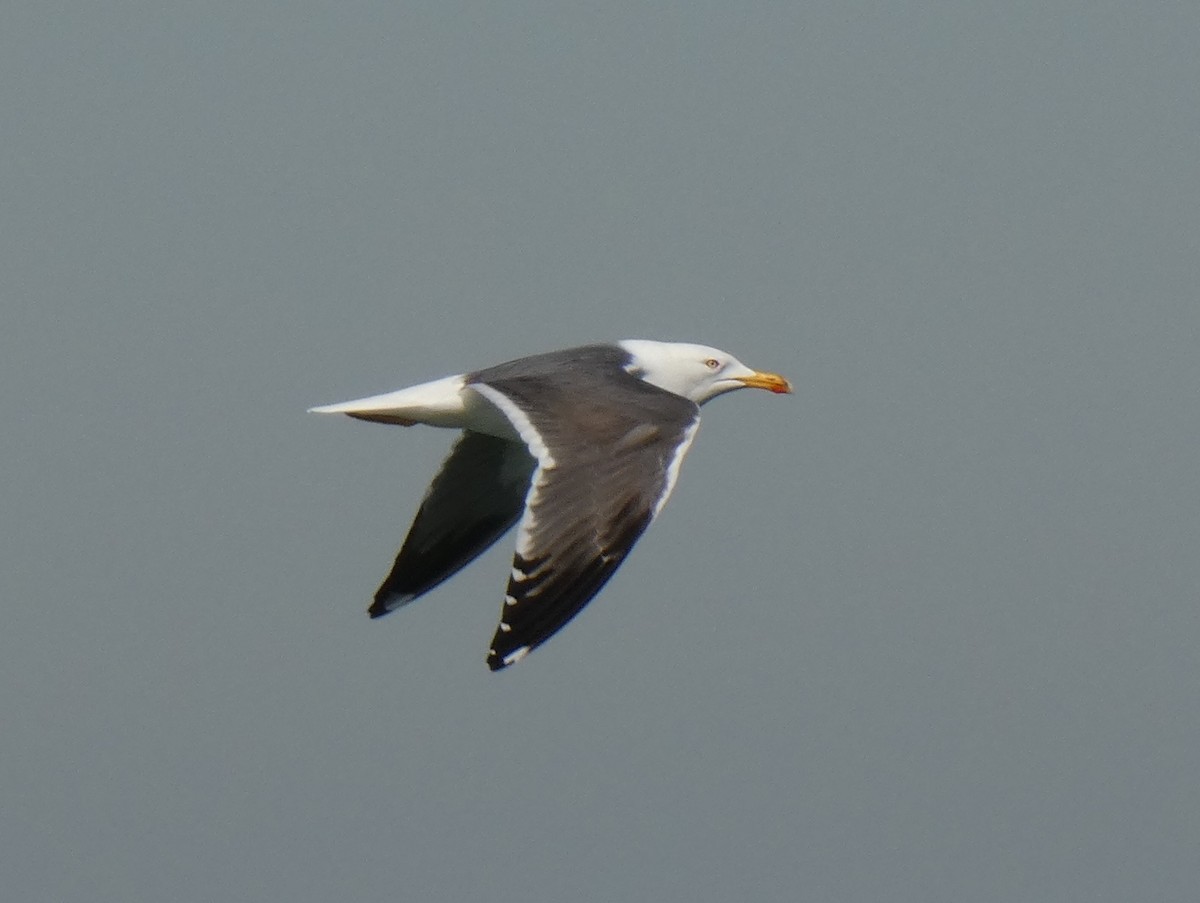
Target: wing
477, 495
604, 470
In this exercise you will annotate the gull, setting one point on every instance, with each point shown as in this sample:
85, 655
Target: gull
582, 446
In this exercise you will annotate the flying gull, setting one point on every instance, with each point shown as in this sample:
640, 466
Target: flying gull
582, 446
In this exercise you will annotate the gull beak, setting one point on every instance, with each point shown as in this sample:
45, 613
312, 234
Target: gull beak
772, 382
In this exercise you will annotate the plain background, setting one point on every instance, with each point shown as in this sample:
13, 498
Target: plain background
925, 631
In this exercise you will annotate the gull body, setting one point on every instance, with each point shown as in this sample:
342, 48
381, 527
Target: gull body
583, 446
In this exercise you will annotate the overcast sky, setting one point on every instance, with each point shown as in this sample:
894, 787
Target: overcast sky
926, 630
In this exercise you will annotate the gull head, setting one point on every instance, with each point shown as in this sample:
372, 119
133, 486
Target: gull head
696, 372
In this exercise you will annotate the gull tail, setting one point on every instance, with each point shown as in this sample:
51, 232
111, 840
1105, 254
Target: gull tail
438, 403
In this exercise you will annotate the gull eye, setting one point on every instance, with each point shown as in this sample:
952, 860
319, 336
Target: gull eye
712, 364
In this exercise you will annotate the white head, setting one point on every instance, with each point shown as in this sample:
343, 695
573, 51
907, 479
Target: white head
696, 372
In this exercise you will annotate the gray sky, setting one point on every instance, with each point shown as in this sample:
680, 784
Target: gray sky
925, 631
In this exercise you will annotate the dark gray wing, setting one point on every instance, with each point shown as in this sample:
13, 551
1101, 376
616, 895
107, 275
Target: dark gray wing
607, 460
477, 495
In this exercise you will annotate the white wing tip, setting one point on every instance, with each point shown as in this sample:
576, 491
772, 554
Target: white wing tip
516, 655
